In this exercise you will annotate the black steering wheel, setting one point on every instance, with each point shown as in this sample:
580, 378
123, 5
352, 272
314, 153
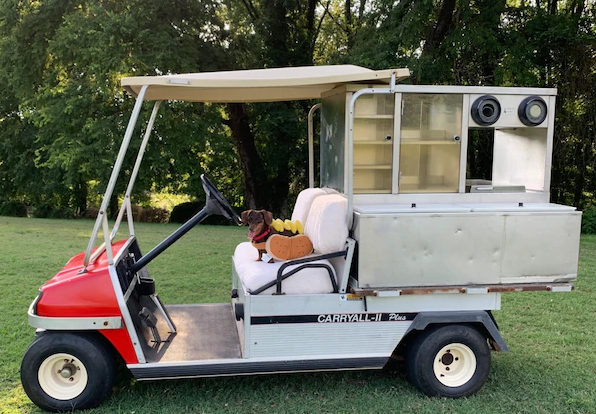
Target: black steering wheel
217, 204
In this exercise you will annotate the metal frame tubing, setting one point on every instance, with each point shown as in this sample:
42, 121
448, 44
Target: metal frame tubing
350, 141
112, 182
311, 146
133, 176
306, 263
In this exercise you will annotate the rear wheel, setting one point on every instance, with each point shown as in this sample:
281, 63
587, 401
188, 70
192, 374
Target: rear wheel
62, 371
449, 361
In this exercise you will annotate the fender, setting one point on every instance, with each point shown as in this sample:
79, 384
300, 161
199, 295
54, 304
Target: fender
423, 319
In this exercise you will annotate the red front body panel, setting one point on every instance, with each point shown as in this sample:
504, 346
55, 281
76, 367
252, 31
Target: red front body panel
91, 294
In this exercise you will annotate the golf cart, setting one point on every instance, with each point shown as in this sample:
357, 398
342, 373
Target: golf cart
411, 252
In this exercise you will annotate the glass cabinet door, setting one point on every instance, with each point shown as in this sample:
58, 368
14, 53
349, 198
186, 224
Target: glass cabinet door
430, 144
373, 143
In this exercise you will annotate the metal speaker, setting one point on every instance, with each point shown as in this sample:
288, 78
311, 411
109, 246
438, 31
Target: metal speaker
486, 110
532, 111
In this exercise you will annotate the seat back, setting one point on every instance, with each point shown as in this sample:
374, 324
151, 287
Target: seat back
327, 224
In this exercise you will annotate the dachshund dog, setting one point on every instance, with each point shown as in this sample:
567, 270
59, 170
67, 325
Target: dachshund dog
259, 229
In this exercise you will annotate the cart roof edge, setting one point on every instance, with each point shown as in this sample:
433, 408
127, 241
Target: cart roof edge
257, 85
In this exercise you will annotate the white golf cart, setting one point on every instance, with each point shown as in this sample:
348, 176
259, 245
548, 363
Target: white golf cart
411, 253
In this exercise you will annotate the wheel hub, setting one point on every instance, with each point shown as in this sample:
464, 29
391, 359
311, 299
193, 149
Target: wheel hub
62, 376
454, 365
67, 370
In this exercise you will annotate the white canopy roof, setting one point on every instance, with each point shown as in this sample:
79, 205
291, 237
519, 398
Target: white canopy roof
259, 85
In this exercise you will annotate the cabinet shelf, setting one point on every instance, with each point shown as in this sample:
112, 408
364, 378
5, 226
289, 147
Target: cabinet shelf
373, 116
371, 191
364, 142
431, 188
428, 142
372, 167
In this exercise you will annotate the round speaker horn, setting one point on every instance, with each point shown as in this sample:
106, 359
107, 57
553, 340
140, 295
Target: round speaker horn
532, 111
486, 110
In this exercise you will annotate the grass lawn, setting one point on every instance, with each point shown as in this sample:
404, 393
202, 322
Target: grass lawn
551, 367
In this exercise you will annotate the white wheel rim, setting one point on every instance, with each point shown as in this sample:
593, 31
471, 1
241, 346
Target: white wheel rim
62, 376
454, 365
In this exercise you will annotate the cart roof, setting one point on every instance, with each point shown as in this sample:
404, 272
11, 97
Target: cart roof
258, 85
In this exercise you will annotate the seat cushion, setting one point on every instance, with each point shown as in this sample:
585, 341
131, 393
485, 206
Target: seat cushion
303, 203
255, 274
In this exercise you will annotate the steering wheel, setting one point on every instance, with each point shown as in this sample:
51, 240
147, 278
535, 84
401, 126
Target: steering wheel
217, 204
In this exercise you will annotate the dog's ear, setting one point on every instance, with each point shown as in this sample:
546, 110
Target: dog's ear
244, 217
267, 216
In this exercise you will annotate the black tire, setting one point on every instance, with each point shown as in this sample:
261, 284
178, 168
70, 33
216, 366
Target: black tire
448, 361
85, 356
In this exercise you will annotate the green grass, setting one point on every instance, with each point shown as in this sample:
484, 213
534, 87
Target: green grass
551, 367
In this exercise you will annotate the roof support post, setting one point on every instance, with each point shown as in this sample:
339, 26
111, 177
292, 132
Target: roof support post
126, 204
311, 146
115, 172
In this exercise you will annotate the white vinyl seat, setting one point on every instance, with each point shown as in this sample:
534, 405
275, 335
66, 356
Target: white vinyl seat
326, 226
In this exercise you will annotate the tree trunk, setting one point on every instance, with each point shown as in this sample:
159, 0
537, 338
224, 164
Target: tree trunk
252, 166
80, 193
441, 28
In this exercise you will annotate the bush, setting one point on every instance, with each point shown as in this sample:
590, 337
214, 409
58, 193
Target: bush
13, 209
147, 214
91, 213
589, 220
184, 211
154, 215
45, 210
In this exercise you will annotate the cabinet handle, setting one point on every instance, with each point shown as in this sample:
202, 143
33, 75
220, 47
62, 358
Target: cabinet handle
456, 138
388, 138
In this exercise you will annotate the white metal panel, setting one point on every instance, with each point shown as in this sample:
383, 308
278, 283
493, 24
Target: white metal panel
483, 247
519, 157
430, 249
540, 247
479, 90
307, 339
549, 143
375, 209
515, 207
333, 303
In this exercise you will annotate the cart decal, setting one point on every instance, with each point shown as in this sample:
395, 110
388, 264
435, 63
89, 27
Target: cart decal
334, 318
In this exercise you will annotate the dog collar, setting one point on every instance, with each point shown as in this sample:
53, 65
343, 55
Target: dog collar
262, 235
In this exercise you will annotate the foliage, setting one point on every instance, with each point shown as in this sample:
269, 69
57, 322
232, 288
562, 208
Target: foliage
184, 211
13, 209
154, 215
63, 112
589, 220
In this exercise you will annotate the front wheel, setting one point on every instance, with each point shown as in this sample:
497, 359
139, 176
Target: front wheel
449, 361
64, 371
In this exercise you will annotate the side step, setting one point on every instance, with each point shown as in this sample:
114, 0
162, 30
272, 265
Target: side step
198, 369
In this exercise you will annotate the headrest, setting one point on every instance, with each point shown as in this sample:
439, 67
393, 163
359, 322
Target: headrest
303, 203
